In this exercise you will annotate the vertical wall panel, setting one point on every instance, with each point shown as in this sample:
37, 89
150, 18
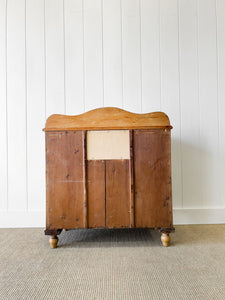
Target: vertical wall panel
16, 104
3, 108
170, 102
190, 123
112, 53
35, 103
150, 54
93, 75
131, 52
67, 56
208, 101
74, 83
54, 34
221, 96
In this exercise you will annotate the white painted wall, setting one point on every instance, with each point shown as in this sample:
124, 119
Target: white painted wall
70, 56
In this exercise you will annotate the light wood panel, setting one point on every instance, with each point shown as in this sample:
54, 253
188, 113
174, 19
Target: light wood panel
105, 118
108, 144
16, 106
3, 109
35, 78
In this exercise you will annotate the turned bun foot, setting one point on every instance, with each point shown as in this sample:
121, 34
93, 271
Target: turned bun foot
53, 240
165, 238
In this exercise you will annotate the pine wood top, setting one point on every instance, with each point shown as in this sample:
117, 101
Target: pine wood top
107, 118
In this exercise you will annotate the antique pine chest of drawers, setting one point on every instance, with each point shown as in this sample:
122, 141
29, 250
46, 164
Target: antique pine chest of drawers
108, 168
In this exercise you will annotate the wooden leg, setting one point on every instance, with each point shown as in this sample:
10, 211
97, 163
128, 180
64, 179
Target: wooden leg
53, 240
165, 238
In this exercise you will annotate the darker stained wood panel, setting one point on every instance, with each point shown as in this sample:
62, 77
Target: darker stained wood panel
131, 174
65, 179
96, 193
117, 193
152, 177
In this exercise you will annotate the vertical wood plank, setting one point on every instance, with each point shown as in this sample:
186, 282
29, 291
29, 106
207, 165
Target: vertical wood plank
64, 180
112, 54
208, 99
3, 108
189, 101
93, 75
170, 102
96, 193
131, 172
74, 75
16, 104
117, 193
85, 202
131, 53
54, 34
150, 55
152, 169
35, 104
221, 96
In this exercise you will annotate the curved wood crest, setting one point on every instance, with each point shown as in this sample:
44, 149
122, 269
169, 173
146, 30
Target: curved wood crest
107, 118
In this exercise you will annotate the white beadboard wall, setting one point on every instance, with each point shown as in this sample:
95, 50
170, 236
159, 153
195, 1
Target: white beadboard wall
70, 56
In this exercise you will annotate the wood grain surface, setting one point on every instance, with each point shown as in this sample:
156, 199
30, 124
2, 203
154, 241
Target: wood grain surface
107, 118
117, 193
131, 178
152, 177
64, 180
96, 193
113, 193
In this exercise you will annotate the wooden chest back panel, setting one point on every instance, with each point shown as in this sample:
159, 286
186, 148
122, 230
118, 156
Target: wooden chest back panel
65, 179
152, 178
108, 193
